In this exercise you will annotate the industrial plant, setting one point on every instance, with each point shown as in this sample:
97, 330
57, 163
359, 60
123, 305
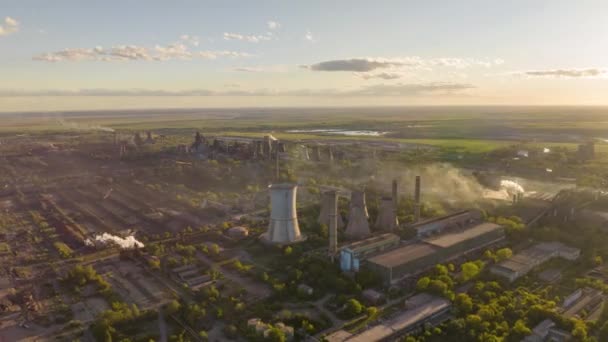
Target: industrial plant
265, 236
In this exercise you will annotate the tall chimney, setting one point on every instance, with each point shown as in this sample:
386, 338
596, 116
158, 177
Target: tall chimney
395, 193
331, 198
417, 200
327, 201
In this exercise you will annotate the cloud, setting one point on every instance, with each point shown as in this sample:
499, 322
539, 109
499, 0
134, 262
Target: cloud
309, 37
265, 68
192, 40
367, 64
354, 64
563, 73
247, 38
273, 25
374, 90
380, 75
9, 26
175, 51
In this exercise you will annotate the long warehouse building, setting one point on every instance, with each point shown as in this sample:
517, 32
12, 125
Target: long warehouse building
420, 255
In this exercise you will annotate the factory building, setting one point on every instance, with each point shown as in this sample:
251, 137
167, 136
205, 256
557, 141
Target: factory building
457, 220
352, 255
418, 256
421, 310
528, 259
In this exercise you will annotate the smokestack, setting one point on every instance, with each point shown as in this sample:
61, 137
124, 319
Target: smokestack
395, 194
267, 147
277, 166
514, 198
327, 202
330, 154
417, 200
358, 226
387, 220
283, 227
331, 201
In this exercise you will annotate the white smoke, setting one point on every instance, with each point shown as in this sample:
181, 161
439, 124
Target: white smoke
508, 188
128, 242
82, 127
511, 187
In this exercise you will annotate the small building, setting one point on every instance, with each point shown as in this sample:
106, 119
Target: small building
551, 275
424, 309
238, 233
540, 332
583, 304
305, 289
264, 329
354, 253
457, 220
373, 297
530, 258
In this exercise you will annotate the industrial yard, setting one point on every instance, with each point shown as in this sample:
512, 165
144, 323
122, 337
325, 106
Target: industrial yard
114, 229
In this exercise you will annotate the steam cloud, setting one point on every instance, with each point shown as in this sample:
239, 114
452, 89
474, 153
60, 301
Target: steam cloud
81, 127
128, 242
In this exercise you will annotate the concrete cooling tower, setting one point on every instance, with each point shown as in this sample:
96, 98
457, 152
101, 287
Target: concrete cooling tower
283, 228
328, 201
387, 215
358, 226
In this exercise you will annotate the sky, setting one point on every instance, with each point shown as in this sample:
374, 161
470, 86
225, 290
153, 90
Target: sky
116, 54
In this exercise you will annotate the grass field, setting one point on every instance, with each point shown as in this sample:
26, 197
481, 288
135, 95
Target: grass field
453, 129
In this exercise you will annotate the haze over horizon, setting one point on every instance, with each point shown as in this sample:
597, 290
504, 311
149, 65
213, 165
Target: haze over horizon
187, 54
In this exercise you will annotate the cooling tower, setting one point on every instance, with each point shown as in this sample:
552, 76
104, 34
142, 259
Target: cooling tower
358, 227
387, 218
328, 201
316, 153
417, 200
283, 228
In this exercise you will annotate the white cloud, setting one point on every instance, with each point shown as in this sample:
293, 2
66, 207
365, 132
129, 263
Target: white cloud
380, 75
388, 90
264, 68
9, 26
247, 38
192, 40
309, 37
564, 73
273, 25
175, 51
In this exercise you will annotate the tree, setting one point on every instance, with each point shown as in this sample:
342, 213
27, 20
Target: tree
520, 328
423, 283
441, 269
173, 307
469, 270
463, 303
276, 335
371, 311
603, 334
503, 254
353, 307
288, 250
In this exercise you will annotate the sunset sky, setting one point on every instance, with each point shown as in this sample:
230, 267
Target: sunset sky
66, 55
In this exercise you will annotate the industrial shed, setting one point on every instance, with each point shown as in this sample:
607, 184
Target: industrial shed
418, 256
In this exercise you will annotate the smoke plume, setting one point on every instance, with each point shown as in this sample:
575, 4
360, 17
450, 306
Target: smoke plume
128, 242
81, 127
